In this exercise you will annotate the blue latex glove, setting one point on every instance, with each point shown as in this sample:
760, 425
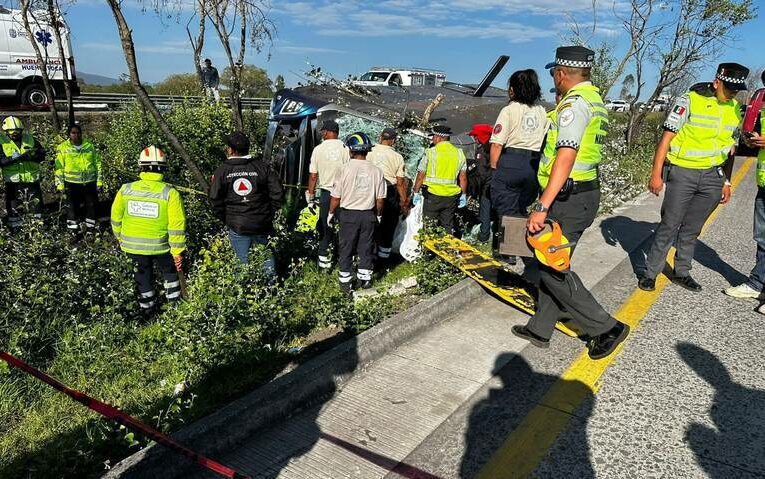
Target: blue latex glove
417, 199
463, 201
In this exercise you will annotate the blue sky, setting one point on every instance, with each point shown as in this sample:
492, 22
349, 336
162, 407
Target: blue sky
461, 37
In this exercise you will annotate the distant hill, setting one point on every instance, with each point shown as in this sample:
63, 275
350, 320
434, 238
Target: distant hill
92, 79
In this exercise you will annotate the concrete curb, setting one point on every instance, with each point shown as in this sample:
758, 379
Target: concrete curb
302, 387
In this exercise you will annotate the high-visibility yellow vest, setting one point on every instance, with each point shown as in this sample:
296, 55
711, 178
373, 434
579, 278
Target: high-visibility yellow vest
20, 171
706, 138
444, 163
77, 164
590, 147
761, 168
548, 154
148, 218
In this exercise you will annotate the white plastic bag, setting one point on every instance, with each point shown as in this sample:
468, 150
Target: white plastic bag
404, 242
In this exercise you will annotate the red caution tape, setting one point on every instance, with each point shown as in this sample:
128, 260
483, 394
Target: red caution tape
114, 414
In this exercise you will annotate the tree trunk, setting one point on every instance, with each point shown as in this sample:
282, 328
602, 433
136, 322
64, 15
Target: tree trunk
43, 66
219, 22
126, 37
198, 44
53, 15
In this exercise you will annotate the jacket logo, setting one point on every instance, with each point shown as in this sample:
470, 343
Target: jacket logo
242, 187
143, 209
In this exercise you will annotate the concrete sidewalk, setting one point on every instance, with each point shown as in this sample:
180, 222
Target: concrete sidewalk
388, 410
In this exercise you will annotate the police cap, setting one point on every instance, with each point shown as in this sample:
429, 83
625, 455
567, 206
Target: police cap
330, 125
733, 75
573, 56
442, 130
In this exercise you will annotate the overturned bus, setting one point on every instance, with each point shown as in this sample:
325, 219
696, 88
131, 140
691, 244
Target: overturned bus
296, 114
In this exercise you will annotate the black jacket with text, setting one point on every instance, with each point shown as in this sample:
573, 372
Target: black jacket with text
246, 194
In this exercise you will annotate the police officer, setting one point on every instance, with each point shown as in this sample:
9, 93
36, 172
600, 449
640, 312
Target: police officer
753, 287
391, 163
149, 222
571, 197
443, 170
246, 193
359, 192
78, 176
699, 137
326, 159
20, 161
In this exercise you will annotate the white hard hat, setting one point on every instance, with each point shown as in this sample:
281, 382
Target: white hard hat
152, 156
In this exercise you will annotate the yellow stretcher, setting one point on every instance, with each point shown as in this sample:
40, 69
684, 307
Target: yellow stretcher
489, 273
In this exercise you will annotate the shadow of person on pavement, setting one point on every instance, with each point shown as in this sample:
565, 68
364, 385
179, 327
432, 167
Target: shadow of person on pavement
736, 436
631, 235
493, 420
708, 257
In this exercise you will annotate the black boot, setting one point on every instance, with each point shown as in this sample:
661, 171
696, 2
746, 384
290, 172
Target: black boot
604, 344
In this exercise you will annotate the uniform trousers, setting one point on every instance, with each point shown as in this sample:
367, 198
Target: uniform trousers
82, 202
356, 237
690, 197
441, 209
326, 234
387, 227
563, 295
144, 278
514, 185
20, 197
757, 276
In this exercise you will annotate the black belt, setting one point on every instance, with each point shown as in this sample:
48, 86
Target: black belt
583, 186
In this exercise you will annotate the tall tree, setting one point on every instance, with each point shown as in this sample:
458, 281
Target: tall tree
42, 60
251, 18
128, 49
686, 35
54, 14
628, 83
198, 41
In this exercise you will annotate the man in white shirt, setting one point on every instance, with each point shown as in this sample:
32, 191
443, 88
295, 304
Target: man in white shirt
326, 159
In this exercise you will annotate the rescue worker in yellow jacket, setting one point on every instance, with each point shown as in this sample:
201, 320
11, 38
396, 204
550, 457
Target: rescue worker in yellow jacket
149, 222
695, 159
20, 160
78, 176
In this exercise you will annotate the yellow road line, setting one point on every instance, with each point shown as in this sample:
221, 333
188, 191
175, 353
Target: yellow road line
524, 449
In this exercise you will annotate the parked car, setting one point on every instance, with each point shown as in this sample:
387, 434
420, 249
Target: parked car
617, 105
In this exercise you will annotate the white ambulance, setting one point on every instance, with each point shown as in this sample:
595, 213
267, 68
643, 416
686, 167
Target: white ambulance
19, 71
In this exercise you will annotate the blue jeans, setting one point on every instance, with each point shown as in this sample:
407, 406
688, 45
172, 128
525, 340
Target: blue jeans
757, 276
242, 244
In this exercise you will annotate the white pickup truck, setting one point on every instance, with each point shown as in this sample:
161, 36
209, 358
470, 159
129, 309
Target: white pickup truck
19, 71
389, 76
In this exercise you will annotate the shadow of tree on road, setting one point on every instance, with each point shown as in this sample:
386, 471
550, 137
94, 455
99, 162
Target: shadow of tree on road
505, 412
738, 413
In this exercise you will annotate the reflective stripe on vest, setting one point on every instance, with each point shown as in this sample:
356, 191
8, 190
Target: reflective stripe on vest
706, 138
77, 165
761, 168
589, 155
20, 171
144, 226
444, 162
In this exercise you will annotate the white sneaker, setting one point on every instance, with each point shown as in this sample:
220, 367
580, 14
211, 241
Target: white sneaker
761, 308
743, 291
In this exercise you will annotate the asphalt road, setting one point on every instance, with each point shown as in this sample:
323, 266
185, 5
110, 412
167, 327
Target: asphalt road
685, 397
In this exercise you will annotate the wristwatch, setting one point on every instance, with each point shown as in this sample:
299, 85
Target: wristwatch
540, 208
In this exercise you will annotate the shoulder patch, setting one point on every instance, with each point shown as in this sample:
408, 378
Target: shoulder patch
566, 117
497, 129
679, 109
